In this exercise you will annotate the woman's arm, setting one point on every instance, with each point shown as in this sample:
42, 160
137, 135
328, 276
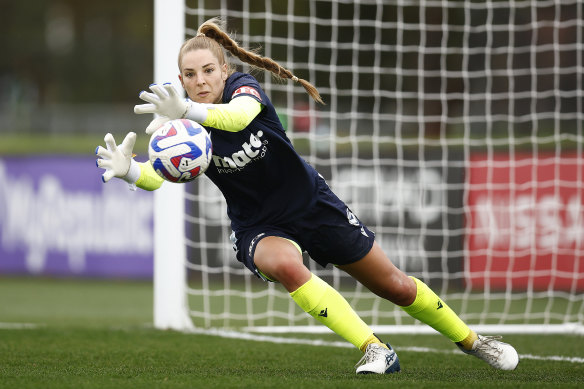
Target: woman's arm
234, 116
149, 179
166, 102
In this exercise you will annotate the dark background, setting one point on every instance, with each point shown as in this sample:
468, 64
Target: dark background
73, 67
76, 68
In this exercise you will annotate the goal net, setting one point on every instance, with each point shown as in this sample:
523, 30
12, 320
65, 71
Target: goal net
454, 130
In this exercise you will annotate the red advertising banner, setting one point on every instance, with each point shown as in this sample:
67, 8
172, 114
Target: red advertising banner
525, 222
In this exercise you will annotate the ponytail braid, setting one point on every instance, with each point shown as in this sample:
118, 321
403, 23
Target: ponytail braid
212, 29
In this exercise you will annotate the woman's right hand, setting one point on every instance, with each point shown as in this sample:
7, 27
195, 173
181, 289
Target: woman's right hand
117, 160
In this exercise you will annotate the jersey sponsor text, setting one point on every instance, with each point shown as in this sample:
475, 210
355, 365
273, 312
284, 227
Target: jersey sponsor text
252, 150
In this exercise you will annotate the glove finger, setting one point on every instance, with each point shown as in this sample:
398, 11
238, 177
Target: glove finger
159, 91
103, 153
149, 97
144, 108
170, 90
107, 175
156, 124
104, 164
110, 142
128, 144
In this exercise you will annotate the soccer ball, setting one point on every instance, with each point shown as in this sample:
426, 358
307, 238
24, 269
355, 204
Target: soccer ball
180, 150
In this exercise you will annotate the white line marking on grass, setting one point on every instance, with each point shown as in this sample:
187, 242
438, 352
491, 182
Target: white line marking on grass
18, 326
320, 342
552, 358
266, 338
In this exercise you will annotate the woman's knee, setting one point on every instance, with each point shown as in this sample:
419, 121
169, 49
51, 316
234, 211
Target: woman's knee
404, 291
280, 260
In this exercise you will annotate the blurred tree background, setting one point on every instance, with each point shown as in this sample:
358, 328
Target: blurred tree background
75, 68
72, 68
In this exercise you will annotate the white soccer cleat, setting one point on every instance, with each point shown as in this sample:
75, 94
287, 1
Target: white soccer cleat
496, 353
378, 360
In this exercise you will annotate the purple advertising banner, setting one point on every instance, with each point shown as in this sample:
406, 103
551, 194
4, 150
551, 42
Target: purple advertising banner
57, 218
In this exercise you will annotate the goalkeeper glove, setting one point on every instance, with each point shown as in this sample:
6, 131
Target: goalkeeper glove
156, 124
166, 102
118, 161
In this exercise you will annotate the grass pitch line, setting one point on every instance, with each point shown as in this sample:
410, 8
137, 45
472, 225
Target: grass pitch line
19, 326
319, 342
552, 358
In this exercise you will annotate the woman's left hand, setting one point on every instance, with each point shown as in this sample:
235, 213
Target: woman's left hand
166, 103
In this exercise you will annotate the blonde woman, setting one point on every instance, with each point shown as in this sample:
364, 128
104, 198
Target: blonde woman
279, 206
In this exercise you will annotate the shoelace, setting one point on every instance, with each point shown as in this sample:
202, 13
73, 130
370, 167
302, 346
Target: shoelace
488, 348
370, 355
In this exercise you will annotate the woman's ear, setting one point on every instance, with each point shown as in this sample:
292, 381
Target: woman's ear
181, 80
224, 74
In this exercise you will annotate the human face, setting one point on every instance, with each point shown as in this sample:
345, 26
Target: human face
202, 77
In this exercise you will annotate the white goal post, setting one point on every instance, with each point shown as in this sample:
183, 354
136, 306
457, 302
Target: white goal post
454, 130
170, 297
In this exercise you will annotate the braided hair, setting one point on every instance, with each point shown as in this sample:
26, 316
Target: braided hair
211, 36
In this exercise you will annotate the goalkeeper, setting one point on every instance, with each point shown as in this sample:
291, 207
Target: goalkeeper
279, 206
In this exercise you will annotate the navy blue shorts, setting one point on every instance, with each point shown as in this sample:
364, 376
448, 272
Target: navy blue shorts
329, 232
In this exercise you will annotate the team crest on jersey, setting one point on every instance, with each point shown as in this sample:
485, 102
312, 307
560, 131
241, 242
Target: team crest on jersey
247, 90
352, 218
355, 222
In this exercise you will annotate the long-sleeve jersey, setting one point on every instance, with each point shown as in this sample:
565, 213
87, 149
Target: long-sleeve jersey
261, 176
263, 179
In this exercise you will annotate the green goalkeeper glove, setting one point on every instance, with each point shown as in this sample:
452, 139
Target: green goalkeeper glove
166, 102
118, 161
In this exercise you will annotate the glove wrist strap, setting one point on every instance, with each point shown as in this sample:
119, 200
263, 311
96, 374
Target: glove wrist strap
196, 112
133, 172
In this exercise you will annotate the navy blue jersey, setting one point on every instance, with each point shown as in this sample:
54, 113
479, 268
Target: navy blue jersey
263, 179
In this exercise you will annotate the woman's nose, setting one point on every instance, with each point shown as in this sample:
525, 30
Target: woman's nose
200, 80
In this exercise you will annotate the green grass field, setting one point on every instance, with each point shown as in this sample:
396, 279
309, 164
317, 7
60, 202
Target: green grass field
98, 334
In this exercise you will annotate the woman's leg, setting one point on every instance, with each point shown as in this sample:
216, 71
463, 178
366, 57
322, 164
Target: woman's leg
280, 260
380, 275
377, 273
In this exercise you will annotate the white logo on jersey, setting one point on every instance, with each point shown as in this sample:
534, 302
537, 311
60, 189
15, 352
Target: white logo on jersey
355, 222
251, 150
352, 218
248, 91
363, 232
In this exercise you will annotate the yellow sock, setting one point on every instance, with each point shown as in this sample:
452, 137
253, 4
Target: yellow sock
325, 304
468, 342
431, 310
372, 339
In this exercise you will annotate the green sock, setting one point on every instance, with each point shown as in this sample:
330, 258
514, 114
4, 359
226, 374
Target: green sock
325, 304
431, 310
